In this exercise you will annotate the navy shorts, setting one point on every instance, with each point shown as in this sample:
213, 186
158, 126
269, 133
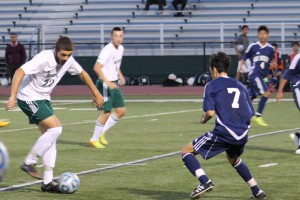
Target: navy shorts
209, 145
256, 86
296, 94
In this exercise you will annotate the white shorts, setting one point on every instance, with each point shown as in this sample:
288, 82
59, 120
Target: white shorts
246, 67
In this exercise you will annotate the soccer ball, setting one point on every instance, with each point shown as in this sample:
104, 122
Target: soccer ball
4, 82
172, 77
68, 183
240, 47
4, 160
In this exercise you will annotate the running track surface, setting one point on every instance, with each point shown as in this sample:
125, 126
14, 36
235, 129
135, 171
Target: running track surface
82, 90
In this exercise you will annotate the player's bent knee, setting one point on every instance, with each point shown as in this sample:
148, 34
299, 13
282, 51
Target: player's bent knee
121, 112
56, 132
187, 149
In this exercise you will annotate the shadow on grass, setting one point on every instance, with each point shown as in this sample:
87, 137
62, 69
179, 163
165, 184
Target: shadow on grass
171, 195
268, 149
83, 144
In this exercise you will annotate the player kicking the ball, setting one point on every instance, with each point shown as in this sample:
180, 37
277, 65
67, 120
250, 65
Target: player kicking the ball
230, 101
31, 87
107, 68
261, 54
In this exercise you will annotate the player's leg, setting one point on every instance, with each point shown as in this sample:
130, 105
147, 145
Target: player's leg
99, 128
117, 99
207, 148
296, 136
262, 87
233, 155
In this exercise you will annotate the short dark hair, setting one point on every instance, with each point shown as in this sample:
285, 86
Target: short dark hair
64, 43
263, 28
116, 29
245, 26
221, 61
13, 33
295, 43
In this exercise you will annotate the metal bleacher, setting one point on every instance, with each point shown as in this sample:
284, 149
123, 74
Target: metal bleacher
82, 20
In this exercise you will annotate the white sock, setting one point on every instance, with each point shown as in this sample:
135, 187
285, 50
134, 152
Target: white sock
44, 142
97, 131
111, 121
48, 175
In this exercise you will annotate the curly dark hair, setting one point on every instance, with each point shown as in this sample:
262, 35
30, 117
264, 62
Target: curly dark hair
221, 61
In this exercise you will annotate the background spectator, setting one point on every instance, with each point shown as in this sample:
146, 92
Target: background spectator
175, 4
160, 3
15, 55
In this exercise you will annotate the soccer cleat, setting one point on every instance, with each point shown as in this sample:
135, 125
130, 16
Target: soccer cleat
50, 187
31, 170
201, 189
103, 140
295, 137
96, 144
259, 121
260, 195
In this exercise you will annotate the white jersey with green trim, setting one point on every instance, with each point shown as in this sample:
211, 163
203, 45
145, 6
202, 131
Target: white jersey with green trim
42, 74
111, 57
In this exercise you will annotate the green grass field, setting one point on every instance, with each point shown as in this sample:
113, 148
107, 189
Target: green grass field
153, 129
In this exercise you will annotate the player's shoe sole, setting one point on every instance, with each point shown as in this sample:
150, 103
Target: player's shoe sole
31, 170
201, 189
103, 140
96, 144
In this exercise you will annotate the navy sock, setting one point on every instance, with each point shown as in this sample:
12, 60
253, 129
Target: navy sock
243, 171
261, 105
255, 189
193, 164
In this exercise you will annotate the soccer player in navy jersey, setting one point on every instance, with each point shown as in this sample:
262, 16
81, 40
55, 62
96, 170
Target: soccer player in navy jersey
261, 54
292, 74
229, 100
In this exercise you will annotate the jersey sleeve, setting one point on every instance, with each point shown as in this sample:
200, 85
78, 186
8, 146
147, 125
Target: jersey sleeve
209, 98
75, 68
103, 56
291, 70
34, 65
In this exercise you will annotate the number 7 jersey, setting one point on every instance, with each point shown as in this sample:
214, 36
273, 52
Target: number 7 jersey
42, 74
231, 102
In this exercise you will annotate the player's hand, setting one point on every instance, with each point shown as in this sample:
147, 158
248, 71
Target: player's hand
98, 100
122, 80
112, 85
202, 119
279, 96
11, 103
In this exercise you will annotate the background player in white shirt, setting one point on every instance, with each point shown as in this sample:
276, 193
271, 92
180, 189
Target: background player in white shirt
107, 68
31, 87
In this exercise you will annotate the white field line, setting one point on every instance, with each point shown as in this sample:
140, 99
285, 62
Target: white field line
140, 161
93, 121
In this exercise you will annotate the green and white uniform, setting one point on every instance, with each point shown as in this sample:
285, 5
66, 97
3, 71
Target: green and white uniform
111, 59
42, 74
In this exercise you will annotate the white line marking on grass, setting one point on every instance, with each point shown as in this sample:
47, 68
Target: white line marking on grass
83, 109
140, 161
152, 120
104, 164
93, 121
268, 165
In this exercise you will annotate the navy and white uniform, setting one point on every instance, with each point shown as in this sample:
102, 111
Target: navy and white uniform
293, 75
261, 57
233, 107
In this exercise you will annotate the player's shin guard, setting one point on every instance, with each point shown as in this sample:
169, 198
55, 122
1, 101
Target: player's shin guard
261, 105
46, 140
194, 167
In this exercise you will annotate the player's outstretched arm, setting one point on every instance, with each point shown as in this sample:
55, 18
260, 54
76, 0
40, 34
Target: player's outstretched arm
16, 82
280, 90
207, 116
98, 99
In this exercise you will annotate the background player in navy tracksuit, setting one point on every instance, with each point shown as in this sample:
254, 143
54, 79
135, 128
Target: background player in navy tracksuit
261, 54
292, 74
229, 100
